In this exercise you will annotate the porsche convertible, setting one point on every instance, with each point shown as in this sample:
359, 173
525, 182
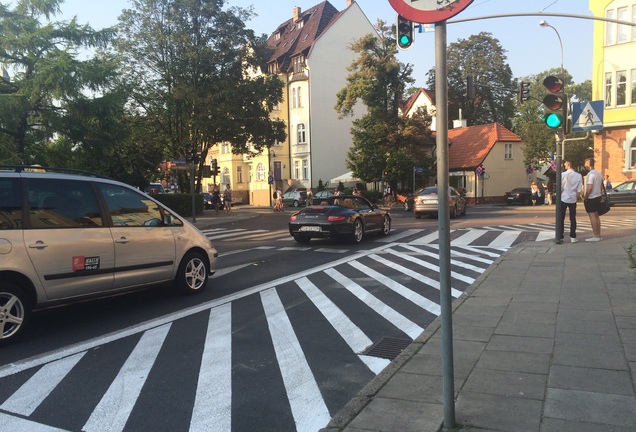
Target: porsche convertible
348, 217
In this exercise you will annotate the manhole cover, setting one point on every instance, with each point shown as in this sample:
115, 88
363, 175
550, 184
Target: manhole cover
387, 348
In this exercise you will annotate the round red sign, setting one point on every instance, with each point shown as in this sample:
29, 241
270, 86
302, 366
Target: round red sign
429, 11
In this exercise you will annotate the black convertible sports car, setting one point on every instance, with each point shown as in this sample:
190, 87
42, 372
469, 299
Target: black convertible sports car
343, 216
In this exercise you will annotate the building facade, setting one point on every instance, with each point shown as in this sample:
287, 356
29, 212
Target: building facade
614, 82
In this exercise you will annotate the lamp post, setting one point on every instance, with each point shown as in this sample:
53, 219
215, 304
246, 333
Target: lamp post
559, 154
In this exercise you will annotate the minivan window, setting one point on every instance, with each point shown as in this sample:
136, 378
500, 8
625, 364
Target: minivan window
62, 204
129, 208
10, 204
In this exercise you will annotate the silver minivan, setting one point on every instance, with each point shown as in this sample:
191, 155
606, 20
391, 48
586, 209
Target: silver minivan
69, 236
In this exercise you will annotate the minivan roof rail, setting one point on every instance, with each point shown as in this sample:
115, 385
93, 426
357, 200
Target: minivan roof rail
43, 168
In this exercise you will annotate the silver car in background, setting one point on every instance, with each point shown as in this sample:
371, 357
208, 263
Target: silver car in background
426, 202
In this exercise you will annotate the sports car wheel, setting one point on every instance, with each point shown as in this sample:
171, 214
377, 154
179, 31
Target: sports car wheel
358, 231
406, 206
192, 276
386, 226
15, 313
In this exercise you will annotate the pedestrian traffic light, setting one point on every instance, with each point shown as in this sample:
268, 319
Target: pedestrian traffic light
524, 92
555, 102
405, 34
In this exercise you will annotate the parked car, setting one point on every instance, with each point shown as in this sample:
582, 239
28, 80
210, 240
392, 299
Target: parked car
344, 216
520, 195
426, 202
318, 196
207, 201
295, 198
624, 193
68, 237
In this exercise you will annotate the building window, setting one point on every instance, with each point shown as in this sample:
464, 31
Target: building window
621, 87
296, 169
608, 89
225, 148
294, 97
633, 87
633, 21
298, 64
300, 134
300, 105
632, 154
610, 28
239, 174
260, 172
305, 169
623, 30
225, 179
508, 151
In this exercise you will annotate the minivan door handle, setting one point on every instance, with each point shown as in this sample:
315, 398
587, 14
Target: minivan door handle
38, 245
122, 240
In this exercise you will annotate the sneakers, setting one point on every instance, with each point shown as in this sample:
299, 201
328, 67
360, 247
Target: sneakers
573, 240
594, 239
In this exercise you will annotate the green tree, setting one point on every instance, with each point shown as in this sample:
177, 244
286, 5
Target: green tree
383, 140
191, 73
43, 75
482, 57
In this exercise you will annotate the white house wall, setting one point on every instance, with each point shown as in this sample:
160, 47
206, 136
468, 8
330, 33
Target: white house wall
328, 60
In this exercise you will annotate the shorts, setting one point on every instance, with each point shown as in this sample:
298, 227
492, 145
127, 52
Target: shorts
592, 204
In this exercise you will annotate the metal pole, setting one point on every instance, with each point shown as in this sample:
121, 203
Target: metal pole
557, 185
194, 208
441, 96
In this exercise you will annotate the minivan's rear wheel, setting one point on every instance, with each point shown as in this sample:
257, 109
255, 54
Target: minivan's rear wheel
192, 276
15, 313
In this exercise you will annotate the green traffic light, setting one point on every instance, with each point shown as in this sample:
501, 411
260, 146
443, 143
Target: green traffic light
553, 120
405, 40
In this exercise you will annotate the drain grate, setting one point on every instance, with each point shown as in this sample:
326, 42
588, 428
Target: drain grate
387, 348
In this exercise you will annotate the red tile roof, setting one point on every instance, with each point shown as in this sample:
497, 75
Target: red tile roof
294, 39
469, 146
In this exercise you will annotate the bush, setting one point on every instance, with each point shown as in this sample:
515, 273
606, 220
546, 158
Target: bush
181, 203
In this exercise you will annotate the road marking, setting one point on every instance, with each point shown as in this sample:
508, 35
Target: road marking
212, 411
306, 402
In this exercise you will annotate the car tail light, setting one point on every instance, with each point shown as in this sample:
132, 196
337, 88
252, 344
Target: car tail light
336, 218
293, 218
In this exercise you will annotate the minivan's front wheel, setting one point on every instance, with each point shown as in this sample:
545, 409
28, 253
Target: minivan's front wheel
15, 313
192, 275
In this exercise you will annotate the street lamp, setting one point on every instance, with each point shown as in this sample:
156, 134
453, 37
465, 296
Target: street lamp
559, 155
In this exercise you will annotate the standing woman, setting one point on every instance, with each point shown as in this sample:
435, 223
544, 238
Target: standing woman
592, 200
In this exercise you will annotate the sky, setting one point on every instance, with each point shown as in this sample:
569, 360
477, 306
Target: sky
530, 48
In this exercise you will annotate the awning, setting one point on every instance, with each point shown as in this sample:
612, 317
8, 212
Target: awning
345, 178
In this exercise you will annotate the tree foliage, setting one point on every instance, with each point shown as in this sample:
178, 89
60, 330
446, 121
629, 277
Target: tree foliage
482, 57
43, 75
383, 140
191, 73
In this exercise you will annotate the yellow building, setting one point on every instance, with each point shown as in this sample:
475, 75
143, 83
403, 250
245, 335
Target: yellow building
614, 82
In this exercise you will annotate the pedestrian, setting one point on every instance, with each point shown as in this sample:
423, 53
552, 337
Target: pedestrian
227, 198
607, 183
280, 205
571, 187
592, 200
310, 197
216, 200
536, 194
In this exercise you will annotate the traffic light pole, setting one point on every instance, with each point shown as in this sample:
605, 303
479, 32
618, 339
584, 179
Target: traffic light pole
557, 185
443, 183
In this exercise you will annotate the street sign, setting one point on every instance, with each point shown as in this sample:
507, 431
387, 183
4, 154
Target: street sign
587, 116
429, 11
270, 180
419, 170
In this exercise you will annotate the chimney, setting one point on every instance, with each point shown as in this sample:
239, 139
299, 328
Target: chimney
460, 123
349, 3
295, 13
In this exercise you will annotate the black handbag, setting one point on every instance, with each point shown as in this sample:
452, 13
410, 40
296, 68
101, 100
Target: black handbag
605, 204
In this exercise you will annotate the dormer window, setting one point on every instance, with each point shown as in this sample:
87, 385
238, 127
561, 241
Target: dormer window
298, 64
300, 24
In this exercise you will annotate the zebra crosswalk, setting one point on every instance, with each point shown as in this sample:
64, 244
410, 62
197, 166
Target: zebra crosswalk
302, 337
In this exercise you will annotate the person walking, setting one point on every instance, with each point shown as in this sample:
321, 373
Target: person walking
592, 200
227, 198
571, 187
607, 183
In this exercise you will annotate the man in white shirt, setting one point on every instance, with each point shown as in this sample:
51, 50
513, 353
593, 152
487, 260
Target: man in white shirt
592, 200
571, 187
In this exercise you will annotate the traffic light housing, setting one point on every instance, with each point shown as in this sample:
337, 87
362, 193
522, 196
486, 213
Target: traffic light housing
405, 33
215, 167
555, 103
523, 93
